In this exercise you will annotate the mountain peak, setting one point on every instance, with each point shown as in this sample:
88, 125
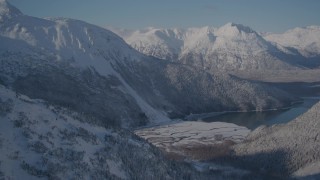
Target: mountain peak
239, 27
234, 30
7, 11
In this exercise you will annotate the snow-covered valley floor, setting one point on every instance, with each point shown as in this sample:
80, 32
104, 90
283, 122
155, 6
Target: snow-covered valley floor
194, 140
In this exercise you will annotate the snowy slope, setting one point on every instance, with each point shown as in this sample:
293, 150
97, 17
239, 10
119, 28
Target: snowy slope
42, 141
82, 44
161, 43
65, 38
306, 40
232, 46
286, 149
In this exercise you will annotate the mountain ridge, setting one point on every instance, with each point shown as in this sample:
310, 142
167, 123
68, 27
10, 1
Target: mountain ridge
7, 11
229, 47
304, 39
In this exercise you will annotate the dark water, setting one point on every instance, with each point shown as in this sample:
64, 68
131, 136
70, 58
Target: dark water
252, 120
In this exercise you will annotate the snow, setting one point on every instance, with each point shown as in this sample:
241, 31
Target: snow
42, 120
115, 169
231, 46
171, 137
12, 142
154, 116
182, 41
88, 46
68, 39
159, 42
53, 142
306, 40
7, 11
233, 30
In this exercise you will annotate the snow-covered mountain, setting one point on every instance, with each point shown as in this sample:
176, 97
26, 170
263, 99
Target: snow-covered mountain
73, 46
69, 90
305, 40
230, 47
160, 43
93, 71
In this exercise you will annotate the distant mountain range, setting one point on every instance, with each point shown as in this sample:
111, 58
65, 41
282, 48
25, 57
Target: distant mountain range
230, 47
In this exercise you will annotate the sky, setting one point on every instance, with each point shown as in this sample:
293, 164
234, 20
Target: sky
261, 15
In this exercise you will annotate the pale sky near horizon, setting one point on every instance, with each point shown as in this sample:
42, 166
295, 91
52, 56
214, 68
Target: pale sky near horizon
261, 15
